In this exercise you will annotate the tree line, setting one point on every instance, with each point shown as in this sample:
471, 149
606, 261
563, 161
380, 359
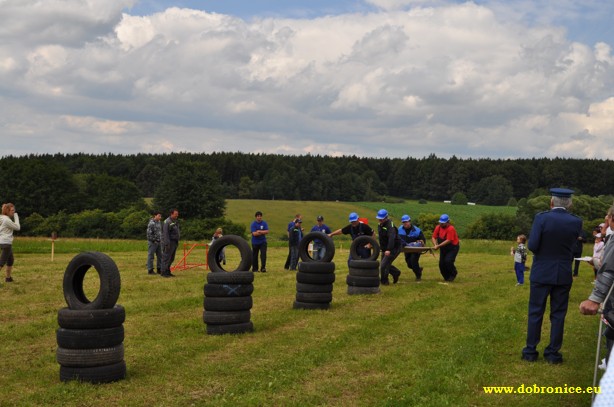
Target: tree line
59, 186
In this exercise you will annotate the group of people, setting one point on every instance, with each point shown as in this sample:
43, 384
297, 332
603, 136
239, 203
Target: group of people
162, 241
392, 240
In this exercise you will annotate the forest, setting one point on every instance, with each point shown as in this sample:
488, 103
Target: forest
53, 190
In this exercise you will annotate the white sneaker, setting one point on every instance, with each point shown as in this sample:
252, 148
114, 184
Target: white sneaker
603, 365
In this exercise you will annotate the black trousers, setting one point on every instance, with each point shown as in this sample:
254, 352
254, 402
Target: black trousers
413, 262
258, 248
447, 257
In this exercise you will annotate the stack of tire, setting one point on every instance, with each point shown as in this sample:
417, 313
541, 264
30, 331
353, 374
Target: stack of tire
91, 334
228, 294
315, 278
363, 277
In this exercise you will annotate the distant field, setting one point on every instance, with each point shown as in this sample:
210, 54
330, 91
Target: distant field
279, 213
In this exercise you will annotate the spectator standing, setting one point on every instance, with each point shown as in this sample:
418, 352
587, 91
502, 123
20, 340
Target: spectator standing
288, 229
412, 235
259, 229
390, 244
355, 229
318, 245
520, 258
221, 256
296, 234
154, 235
597, 252
552, 241
578, 251
170, 240
446, 240
9, 222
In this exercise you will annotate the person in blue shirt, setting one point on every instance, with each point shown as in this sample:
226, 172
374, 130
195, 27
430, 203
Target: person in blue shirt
318, 246
412, 235
259, 229
552, 240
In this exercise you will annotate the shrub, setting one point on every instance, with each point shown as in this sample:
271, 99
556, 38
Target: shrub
459, 199
422, 201
494, 227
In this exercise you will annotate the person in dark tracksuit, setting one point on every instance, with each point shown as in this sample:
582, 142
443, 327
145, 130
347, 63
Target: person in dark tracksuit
445, 239
170, 241
354, 229
412, 235
296, 234
552, 240
390, 245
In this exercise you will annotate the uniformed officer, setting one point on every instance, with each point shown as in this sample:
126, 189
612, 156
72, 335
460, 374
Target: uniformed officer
552, 240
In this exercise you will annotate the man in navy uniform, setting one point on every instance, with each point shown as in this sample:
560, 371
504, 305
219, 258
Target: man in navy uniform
552, 241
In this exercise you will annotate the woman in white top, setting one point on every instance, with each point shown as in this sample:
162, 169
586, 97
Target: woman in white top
7, 226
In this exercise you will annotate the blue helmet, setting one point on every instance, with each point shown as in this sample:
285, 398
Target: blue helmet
405, 218
353, 217
444, 218
382, 214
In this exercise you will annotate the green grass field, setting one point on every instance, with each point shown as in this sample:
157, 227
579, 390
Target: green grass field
423, 344
279, 213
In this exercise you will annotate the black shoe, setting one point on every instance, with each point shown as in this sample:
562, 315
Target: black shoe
529, 358
8, 280
254, 271
150, 272
263, 271
158, 271
385, 282
395, 278
165, 275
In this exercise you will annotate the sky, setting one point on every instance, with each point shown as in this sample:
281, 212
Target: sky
371, 78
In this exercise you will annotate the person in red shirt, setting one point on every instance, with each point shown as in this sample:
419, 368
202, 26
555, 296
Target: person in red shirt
446, 240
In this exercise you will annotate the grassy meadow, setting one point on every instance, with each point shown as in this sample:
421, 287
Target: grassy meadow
414, 344
279, 213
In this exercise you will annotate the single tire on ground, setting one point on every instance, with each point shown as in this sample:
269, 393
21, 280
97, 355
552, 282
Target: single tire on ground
228, 303
91, 318
230, 328
314, 297
364, 264
362, 281
327, 242
225, 317
109, 281
89, 338
316, 267
96, 374
364, 272
361, 241
362, 290
314, 288
90, 357
310, 305
310, 278
213, 258
228, 290
233, 277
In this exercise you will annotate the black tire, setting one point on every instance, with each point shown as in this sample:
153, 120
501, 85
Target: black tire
364, 272
316, 267
230, 240
91, 318
310, 305
108, 273
362, 290
361, 241
89, 338
230, 328
329, 245
228, 303
314, 288
314, 297
233, 277
228, 290
90, 357
362, 281
225, 318
364, 264
310, 278
97, 374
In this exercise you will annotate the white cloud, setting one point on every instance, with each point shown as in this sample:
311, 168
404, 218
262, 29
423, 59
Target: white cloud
450, 79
